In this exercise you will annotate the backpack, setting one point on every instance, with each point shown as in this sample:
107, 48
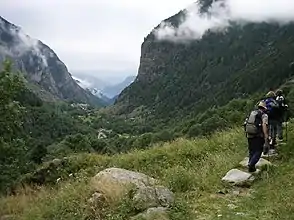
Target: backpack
272, 108
281, 101
253, 123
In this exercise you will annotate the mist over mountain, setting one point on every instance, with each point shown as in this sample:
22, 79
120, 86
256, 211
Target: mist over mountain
40, 65
210, 53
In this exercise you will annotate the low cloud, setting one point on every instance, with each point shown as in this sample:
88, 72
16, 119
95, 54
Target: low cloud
22, 44
222, 13
83, 83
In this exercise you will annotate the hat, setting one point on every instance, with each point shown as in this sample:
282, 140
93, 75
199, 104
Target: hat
270, 94
262, 104
279, 92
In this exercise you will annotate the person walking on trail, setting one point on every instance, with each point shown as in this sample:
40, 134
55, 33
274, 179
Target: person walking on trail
283, 107
256, 128
273, 117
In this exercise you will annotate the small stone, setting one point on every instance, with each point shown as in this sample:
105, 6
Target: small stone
240, 213
232, 206
224, 191
58, 180
236, 192
56, 162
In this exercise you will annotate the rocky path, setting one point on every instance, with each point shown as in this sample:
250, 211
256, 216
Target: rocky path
239, 176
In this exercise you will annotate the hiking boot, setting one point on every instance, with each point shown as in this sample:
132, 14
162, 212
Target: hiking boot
273, 143
265, 151
251, 169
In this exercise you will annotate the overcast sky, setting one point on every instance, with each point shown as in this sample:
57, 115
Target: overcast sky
104, 36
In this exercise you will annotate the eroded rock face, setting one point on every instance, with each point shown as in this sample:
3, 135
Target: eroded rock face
238, 177
115, 183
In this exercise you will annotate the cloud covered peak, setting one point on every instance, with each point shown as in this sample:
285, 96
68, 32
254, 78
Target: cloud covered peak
222, 13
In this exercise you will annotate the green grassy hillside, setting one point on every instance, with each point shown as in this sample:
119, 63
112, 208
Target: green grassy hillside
192, 169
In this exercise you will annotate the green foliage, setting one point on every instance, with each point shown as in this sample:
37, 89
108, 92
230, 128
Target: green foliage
184, 80
12, 149
13, 163
179, 179
191, 168
10, 110
183, 165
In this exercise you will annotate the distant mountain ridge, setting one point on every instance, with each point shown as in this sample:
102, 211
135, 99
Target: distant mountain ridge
102, 88
114, 90
41, 65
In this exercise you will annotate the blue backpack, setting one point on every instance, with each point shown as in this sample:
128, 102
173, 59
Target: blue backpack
272, 107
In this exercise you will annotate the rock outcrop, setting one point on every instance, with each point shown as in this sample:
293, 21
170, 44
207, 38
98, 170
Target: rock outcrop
145, 192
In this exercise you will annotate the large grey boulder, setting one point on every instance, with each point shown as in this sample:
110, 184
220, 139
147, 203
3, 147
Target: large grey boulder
145, 191
261, 163
238, 177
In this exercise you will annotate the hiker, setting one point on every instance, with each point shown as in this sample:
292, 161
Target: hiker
273, 117
283, 107
256, 128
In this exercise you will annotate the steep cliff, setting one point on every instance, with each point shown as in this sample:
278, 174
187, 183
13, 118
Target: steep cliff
183, 77
40, 65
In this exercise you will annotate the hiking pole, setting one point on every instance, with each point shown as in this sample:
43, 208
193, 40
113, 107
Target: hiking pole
286, 131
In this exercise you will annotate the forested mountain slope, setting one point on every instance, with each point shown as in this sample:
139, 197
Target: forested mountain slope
40, 65
189, 77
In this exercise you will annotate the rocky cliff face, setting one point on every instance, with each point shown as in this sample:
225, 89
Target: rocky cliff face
40, 64
191, 76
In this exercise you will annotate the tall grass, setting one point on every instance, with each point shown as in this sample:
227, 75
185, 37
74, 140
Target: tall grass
192, 169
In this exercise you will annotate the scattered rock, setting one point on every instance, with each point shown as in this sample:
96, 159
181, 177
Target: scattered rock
58, 180
159, 213
115, 183
223, 192
240, 213
56, 162
236, 192
238, 177
232, 206
261, 163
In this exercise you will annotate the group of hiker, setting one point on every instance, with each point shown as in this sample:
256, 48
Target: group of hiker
264, 126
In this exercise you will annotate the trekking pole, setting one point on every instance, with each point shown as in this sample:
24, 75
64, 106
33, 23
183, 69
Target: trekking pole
286, 131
